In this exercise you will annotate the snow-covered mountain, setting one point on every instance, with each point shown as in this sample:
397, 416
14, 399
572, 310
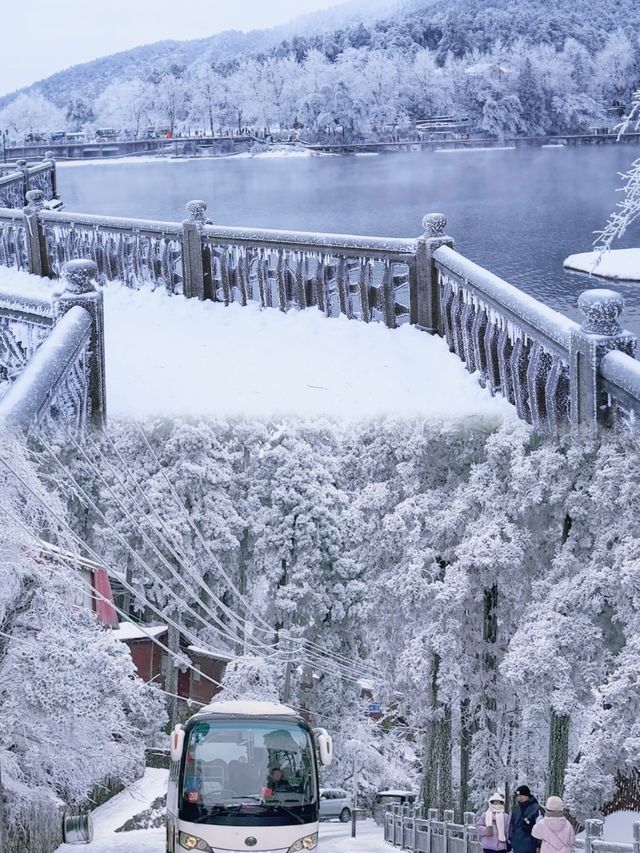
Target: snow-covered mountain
89, 79
446, 26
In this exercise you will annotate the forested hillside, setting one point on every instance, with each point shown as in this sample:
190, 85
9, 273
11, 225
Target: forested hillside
508, 67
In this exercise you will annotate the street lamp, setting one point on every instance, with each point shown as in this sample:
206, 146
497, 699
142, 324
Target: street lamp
4, 146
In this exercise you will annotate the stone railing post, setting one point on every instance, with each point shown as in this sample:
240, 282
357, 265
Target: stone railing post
50, 157
593, 831
425, 302
468, 824
636, 837
193, 271
23, 167
36, 242
599, 333
448, 818
79, 288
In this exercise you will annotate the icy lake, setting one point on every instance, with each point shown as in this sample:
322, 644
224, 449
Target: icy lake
517, 212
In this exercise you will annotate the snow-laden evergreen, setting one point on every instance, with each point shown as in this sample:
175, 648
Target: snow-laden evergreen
72, 712
481, 585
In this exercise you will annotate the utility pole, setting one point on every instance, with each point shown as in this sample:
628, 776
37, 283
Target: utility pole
287, 685
354, 810
2, 844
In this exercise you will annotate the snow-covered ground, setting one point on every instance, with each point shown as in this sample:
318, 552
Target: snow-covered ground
177, 357
272, 152
621, 264
467, 150
618, 827
108, 817
334, 837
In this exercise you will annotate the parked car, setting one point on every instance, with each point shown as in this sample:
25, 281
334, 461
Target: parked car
390, 798
335, 802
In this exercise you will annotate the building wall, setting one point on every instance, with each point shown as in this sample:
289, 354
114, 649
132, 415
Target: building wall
193, 686
147, 658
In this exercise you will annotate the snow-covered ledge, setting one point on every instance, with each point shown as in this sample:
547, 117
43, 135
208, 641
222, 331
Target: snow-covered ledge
622, 264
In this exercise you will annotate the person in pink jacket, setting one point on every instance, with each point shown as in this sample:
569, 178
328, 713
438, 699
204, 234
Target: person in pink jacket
493, 825
554, 831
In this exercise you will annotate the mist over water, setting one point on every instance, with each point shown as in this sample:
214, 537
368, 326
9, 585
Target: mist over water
519, 212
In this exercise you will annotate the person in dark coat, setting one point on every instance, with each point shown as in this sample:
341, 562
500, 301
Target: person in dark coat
523, 818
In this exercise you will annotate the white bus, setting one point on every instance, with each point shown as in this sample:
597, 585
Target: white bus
244, 777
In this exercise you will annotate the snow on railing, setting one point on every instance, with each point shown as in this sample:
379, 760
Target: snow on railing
17, 179
547, 365
52, 356
409, 828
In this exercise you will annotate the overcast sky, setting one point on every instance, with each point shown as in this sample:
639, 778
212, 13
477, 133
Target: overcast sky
40, 37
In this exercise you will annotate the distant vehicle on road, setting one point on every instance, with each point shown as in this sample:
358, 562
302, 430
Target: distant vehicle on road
35, 137
335, 803
390, 798
106, 134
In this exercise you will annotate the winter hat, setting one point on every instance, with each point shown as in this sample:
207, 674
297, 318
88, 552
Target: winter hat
554, 806
523, 791
496, 798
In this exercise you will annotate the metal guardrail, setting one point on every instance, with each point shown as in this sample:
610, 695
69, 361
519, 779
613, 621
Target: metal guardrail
409, 828
557, 373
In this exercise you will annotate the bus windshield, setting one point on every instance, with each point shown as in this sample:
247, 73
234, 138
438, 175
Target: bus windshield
249, 772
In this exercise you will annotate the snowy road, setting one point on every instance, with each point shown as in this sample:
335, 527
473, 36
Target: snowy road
334, 837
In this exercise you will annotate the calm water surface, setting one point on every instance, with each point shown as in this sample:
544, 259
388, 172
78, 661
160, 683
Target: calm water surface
519, 213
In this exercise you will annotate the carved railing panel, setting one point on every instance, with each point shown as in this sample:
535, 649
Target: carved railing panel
621, 382
41, 178
517, 346
24, 325
297, 270
17, 179
137, 253
13, 240
12, 190
51, 386
69, 403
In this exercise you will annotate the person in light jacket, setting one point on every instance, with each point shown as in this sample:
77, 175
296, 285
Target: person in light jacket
493, 825
554, 831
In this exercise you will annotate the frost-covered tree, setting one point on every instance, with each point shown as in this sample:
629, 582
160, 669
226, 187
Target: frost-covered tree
125, 104
628, 210
31, 113
72, 711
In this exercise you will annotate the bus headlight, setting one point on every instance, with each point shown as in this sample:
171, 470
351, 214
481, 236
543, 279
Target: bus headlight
309, 842
190, 842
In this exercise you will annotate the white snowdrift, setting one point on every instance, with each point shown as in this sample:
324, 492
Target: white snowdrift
618, 827
166, 355
621, 264
114, 813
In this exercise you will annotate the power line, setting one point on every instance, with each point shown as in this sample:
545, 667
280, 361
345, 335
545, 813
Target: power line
80, 492
181, 629
216, 562
180, 557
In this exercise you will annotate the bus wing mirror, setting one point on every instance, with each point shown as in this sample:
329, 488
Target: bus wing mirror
177, 743
324, 742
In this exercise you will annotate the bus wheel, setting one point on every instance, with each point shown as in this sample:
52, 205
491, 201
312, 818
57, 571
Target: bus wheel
345, 815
